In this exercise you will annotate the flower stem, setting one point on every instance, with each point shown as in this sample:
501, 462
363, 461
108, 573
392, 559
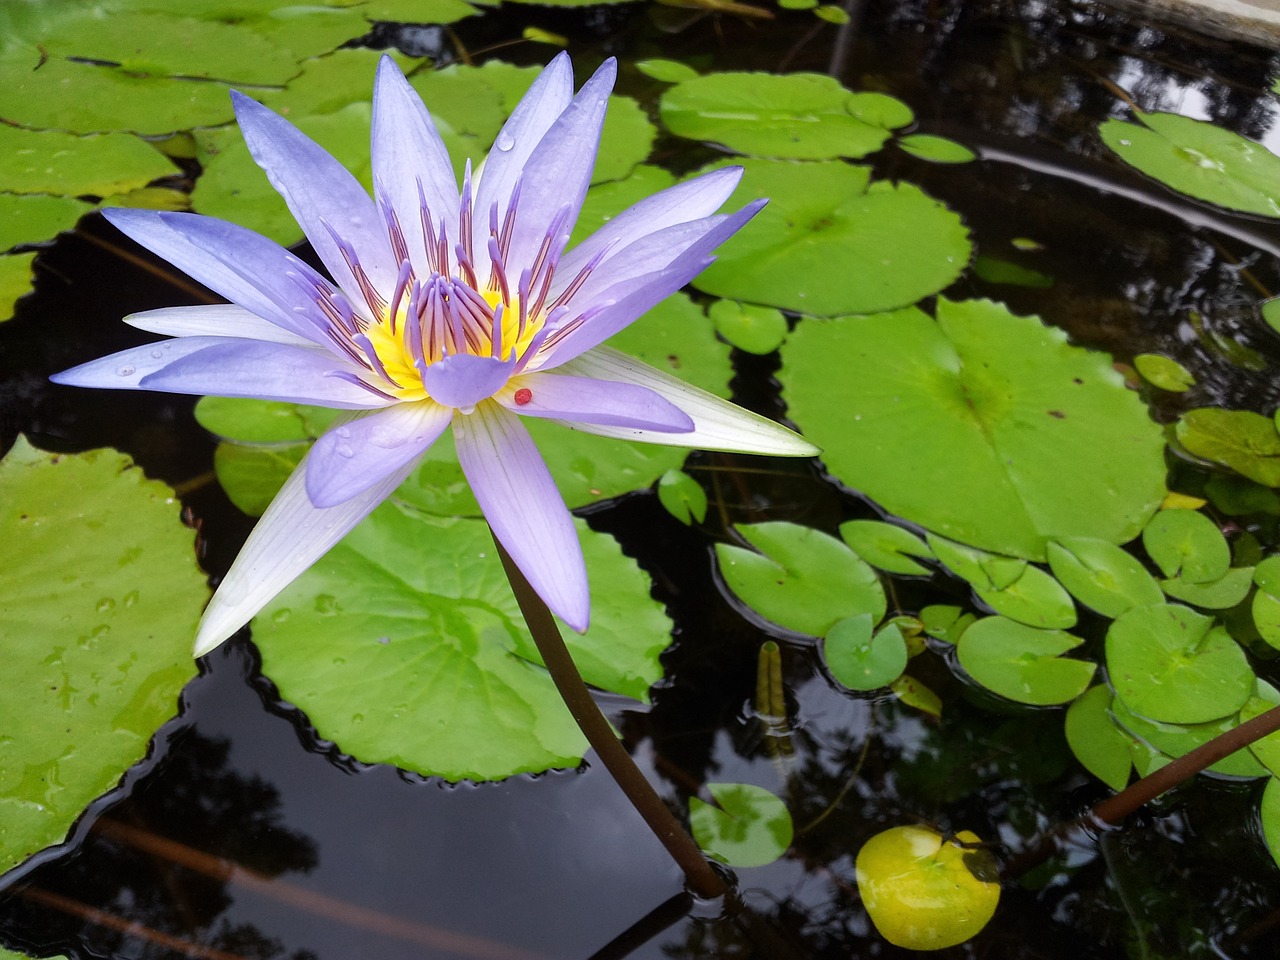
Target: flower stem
702, 880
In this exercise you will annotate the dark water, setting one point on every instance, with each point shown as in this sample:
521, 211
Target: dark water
244, 837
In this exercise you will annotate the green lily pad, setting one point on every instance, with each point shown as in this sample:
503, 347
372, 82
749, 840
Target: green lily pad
48, 161
936, 149
1267, 749
1266, 602
1170, 664
1270, 310
1164, 372
1269, 813
985, 427
15, 281
1200, 160
34, 218
1187, 544
262, 421
996, 270
1220, 594
96, 622
748, 827
886, 546
1097, 743
861, 659
667, 71
946, 622
802, 579
682, 496
915, 694
1008, 585
1023, 663
1102, 576
758, 330
1174, 740
800, 116
891, 243
1245, 441
404, 645
10, 955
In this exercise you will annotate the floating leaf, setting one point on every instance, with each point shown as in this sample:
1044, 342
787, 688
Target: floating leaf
1170, 664
33, 218
985, 427
945, 622
915, 694
404, 645
1164, 372
682, 496
262, 421
924, 892
1220, 594
802, 579
48, 161
1100, 747
886, 546
1102, 576
15, 281
1009, 585
1245, 441
1174, 740
799, 116
861, 660
995, 270
1270, 310
749, 827
1266, 602
832, 242
1200, 160
936, 149
1269, 812
1187, 544
1022, 663
667, 71
96, 622
1267, 749
757, 330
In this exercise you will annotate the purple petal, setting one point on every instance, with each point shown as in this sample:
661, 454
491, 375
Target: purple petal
682, 203
627, 299
463, 380
353, 456
266, 371
291, 536
558, 172
126, 370
408, 151
319, 190
533, 116
212, 320
587, 400
718, 424
238, 264
524, 508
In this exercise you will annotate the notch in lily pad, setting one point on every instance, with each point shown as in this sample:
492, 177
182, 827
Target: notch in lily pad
862, 658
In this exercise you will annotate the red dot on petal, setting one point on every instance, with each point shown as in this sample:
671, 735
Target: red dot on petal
523, 396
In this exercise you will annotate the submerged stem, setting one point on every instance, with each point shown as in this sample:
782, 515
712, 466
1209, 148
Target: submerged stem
702, 880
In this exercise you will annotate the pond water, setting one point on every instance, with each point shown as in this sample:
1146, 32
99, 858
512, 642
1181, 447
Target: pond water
246, 835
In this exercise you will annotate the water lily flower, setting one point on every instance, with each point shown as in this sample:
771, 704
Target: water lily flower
448, 308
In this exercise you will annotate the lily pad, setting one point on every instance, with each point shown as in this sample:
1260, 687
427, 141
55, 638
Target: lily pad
48, 161
1101, 747
682, 496
861, 659
925, 892
758, 330
749, 827
886, 546
1102, 576
946, 622
667, 71
1173, 665
1164, 372
404, 645
1269, 813
1009, 585
1200, 160
1187, 544
1270, 310
1174, 740
34, 218
983, 426
1267, 749
936, 149
1023, 663
15, 281
800, 116
96, 622
832, 242
1221, 594
1245, 441
996, 270
802, 579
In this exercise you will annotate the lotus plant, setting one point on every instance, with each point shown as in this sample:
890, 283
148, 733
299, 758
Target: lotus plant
447, 309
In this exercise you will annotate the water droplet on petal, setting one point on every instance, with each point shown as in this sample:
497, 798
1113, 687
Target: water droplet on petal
344, 450
157, 354
127, 370
504, 142
343, 432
